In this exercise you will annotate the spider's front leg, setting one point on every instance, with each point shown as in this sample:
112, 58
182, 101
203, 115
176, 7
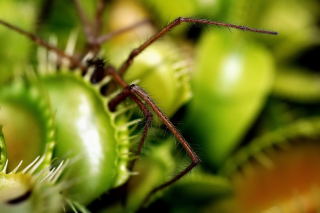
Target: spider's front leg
146, 112
137, 91
126, 93
135, 52
137, 94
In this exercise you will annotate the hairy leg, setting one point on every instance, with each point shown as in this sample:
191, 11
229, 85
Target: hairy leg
85, 22
73, 60
101, 7
135, 52
126, 93
134, 92
195, 160
146, 112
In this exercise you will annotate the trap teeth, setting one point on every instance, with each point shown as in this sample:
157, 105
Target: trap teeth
36, 188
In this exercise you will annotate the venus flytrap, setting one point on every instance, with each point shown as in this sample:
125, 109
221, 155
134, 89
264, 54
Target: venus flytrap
86, 94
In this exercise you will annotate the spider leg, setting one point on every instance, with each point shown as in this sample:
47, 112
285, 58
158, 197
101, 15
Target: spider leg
86, 23
146, 112
91, 29
113, 103
148, 121
99, 16
135, 52
73, 60
195, 160
135, 91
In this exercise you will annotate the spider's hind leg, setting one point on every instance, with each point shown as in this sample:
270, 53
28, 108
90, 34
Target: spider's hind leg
138, 95
195, 160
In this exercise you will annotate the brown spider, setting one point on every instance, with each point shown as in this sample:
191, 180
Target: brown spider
94, 41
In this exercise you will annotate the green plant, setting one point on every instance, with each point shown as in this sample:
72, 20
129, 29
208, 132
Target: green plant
88, 111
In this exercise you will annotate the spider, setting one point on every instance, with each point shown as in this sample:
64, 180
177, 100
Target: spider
94, 41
